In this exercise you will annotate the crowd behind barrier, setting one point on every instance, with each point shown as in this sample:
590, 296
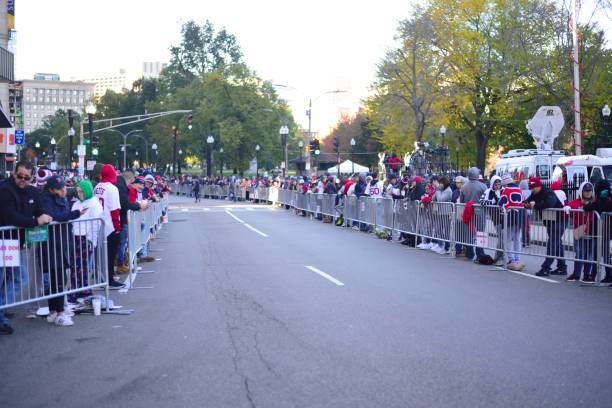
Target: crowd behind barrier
62, 238
492, 224
486, 228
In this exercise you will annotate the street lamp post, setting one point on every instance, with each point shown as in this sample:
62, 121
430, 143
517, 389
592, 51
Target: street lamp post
180, 153
442, 133
124, 147
284, 132
154, 148
70, 141
605, 112
257, 148
91, 111
301, 146
442, 157
210, 140
353, 143
174, 134
457, 157
221, 164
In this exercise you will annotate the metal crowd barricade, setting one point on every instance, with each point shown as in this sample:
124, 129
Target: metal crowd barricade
483, 228
605, 256
32, 261
436, 221
406, 216
142, 226
328, 205
302, 202
561, 236
351, 209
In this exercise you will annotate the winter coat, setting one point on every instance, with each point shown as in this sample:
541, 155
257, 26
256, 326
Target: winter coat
473, 189
56, 251
19, 207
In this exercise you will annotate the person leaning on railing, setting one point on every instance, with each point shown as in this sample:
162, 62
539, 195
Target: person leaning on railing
541, 199
603, 204
56, 251
20, 206
584, 233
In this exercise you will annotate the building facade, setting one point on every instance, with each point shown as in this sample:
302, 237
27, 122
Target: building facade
152, 69
116, 83
31, 101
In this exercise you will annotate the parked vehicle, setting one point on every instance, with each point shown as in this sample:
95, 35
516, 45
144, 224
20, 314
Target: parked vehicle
524, 163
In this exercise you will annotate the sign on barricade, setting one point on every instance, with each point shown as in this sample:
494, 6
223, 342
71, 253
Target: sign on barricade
9, 251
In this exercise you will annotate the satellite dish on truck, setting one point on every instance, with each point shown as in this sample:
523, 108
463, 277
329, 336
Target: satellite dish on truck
545, 126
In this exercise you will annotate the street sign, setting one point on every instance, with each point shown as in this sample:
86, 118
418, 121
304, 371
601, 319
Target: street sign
90, 165
19, 136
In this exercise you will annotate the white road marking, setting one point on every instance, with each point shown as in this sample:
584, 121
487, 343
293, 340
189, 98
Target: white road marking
246, 225
206, 209
323, 274
533, 276
250, 209
255, 230
184, 209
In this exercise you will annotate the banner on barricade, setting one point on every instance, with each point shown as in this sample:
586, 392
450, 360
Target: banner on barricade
9, 253
482, 239
37, 234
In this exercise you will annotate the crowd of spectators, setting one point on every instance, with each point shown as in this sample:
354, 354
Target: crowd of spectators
33, 197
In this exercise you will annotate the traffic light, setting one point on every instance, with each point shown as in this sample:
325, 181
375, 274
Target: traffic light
311, 145
317, 147
336, 144
70, 118
189, 120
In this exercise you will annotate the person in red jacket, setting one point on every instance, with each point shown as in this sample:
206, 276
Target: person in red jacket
584, 236
108, 195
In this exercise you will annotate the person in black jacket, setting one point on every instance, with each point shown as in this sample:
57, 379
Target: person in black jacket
603, 204
126, 205
20, 206
543, 198
57, 250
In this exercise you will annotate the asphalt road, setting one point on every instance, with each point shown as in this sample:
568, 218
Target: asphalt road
262, 308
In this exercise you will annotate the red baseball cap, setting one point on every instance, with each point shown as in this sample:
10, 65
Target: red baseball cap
534, 182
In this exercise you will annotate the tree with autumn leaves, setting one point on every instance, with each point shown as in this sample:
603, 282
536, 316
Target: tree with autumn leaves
482, 68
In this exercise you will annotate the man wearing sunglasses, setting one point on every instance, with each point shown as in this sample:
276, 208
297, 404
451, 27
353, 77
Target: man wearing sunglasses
20, 206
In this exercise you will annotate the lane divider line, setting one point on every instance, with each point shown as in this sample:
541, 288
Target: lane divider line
323, 274
533, 276
247, 225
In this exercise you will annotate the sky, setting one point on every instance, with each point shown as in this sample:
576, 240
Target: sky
311, 46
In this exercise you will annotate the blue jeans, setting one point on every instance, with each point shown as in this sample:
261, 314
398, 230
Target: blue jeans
554, 245
123, 240
3, 318
585, 250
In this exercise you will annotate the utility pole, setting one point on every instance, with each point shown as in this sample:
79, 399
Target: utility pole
174, 133
577, 127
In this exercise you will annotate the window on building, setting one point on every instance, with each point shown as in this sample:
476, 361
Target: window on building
41, 91
48, 91
74, 92
47, 99
27, 90
54, 100
27, 123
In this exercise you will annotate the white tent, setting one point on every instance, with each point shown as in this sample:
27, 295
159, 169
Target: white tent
347, 167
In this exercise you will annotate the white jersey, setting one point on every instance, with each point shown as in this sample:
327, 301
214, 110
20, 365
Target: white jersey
376, 190
391, 191
108, 195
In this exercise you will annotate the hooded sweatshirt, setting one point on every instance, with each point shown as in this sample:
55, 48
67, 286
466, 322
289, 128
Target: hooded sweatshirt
491, 196
581, 218
473, 189
108, 195
94, 210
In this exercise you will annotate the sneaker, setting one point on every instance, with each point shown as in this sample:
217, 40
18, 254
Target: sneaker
500, 262
422, 245
434, 248
560, 272
588, 278
6, 328
31, 314
571, 278
68, 312
441, 250
64, 320
51, 317
607, 279
520, 265
511, 266
543, 272
355, 227
115, 284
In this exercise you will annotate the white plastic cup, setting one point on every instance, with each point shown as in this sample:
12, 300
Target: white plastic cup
96, 303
